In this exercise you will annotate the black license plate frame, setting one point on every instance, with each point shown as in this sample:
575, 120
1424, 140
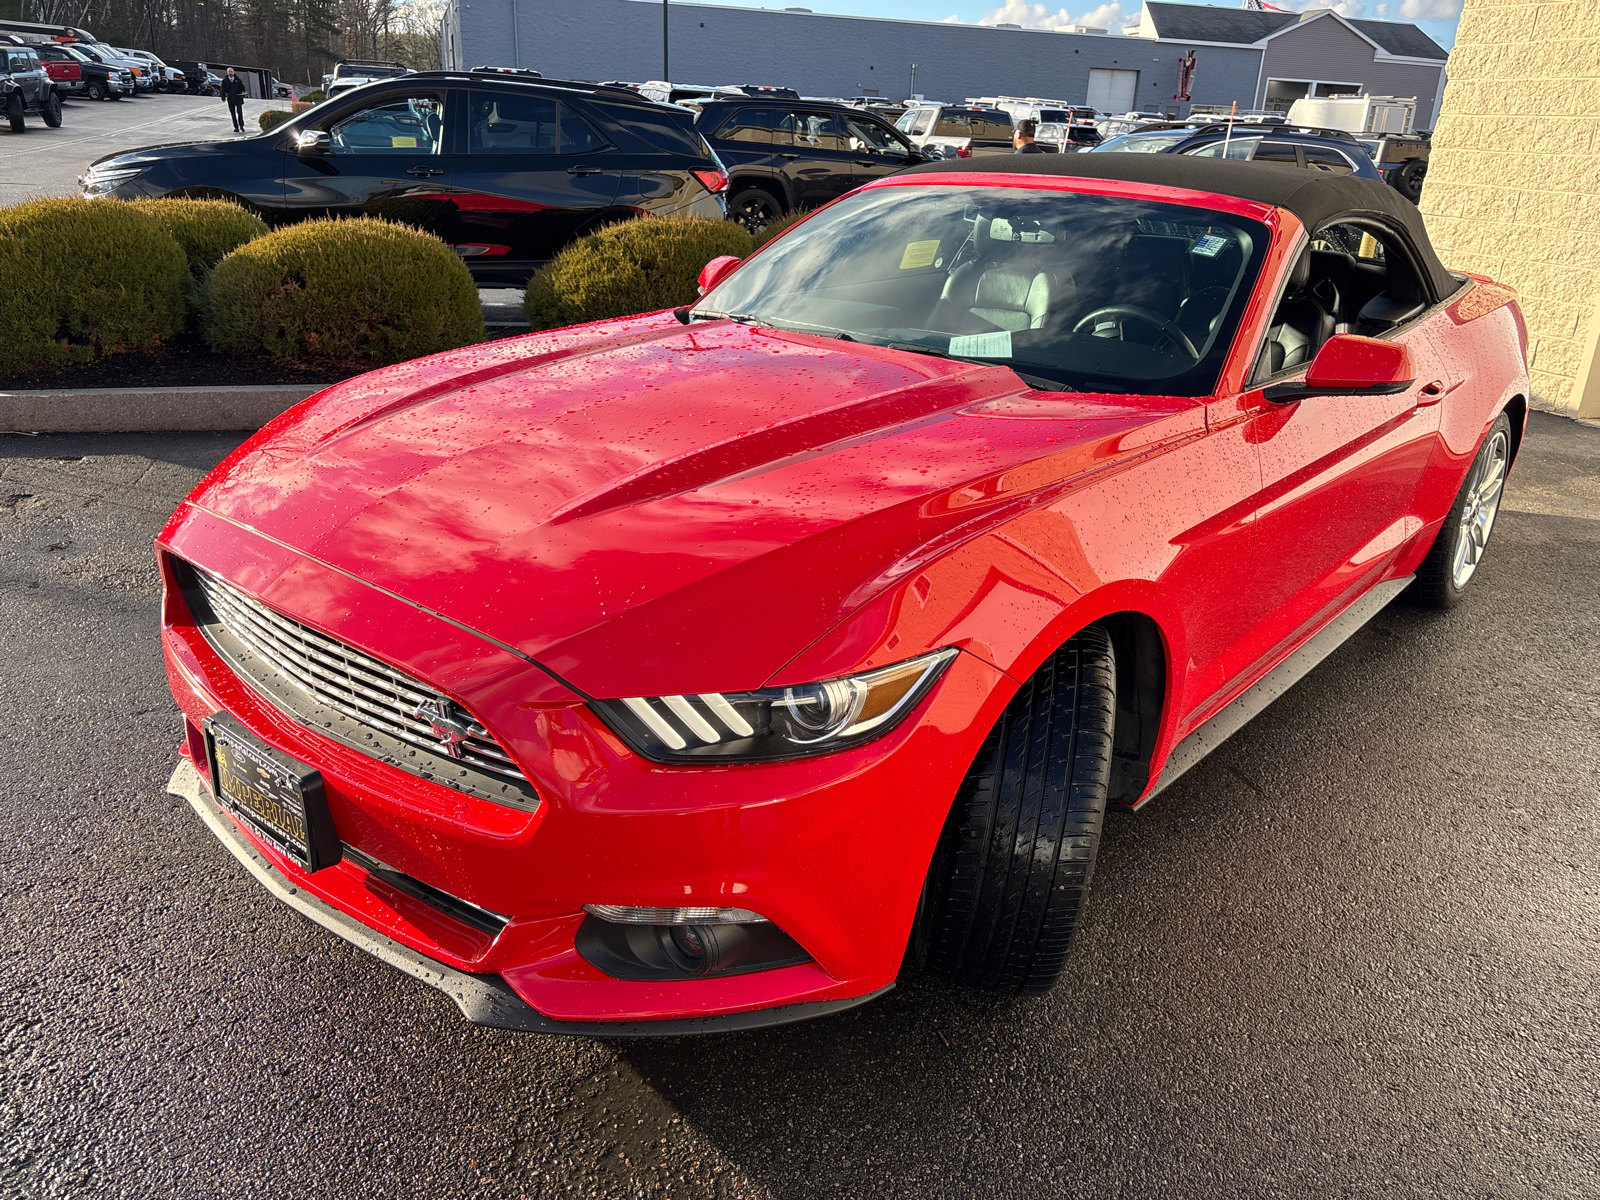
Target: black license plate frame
280, 798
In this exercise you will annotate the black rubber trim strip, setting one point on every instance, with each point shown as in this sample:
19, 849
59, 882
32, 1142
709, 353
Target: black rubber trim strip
1275, 683
482, 999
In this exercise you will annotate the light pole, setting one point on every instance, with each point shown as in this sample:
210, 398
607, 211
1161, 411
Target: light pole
913, 81
666, 68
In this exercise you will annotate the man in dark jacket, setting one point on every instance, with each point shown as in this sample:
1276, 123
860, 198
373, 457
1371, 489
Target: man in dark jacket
233, 91
1023, 138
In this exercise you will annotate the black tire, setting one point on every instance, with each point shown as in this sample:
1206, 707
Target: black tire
1439, 582
96, 90
1408, 179
754, 208
1009, 881
52, 111
16, 113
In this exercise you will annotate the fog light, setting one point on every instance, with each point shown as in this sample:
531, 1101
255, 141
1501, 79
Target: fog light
623, 914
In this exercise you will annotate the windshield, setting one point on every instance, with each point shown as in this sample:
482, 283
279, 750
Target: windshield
1091, 293
1143, 143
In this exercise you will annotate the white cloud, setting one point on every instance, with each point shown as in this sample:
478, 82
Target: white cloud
1430, 10
1112, 17
952, 19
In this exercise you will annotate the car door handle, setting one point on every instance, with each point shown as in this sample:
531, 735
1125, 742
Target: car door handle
1432, 393
866, 162
423, 172
584, 170
788, 156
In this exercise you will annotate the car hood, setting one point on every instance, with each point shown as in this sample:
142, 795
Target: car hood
167, 151
646, 508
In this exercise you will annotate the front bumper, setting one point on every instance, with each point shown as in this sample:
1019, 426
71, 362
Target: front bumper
482, 999
832, 850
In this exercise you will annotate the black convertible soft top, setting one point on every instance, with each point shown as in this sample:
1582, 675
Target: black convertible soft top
1314, 197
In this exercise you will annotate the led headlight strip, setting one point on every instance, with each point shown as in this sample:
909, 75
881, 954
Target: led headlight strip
774, 723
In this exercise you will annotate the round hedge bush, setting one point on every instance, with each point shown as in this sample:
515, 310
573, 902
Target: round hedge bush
207, 230
358, 290
272, 118
633, 267
85, 278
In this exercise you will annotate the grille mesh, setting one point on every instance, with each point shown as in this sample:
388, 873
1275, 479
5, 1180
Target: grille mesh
363, 688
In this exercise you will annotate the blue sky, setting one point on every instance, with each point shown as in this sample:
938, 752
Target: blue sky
1436, 17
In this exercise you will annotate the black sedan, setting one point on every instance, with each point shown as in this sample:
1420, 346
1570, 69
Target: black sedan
506, 170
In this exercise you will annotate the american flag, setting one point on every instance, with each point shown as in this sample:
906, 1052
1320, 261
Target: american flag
1261, 6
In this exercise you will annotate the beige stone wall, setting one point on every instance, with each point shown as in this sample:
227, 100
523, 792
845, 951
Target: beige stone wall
1513, 187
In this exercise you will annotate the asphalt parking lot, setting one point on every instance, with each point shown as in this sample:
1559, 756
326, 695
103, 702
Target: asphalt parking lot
47, 162
1351, 954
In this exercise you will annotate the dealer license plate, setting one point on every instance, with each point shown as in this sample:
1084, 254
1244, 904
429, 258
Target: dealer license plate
279, 796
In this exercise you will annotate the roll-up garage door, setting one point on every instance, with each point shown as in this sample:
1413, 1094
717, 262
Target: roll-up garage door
1112, 91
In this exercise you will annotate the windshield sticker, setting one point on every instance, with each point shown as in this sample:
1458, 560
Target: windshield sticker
1209, 246
983, 345
919, 254
403, 143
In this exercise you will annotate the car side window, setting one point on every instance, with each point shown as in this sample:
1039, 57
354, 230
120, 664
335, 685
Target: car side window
1328, 161
759, 126
1238, 148
953, 125
1276, 152
817, 131
411, 125
577, 137
868, 135
503, 124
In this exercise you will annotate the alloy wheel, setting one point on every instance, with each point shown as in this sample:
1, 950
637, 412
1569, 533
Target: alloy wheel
755, 214
1482, 506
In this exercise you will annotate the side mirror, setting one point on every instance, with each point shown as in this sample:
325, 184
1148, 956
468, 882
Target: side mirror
1348, 365
313, 141
715, 271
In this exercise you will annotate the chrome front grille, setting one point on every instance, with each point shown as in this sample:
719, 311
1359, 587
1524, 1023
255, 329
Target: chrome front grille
363, 690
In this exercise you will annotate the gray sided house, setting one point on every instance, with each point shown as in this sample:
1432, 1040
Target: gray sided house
823, 55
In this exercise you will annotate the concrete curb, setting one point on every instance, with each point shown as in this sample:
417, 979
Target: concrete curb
148, 410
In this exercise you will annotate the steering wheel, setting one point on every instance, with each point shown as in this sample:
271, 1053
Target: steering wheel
1123, 312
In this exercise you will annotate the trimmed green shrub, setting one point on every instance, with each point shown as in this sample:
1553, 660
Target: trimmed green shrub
778, 226
272, 118
358, 290
85, 278
310, 100
632, 267
207, 230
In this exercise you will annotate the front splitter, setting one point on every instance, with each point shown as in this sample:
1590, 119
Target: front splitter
483, 999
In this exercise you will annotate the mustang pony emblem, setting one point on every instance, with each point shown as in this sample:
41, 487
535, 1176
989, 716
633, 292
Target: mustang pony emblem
450, 729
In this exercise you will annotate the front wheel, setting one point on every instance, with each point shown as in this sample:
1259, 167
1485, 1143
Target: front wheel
52, 111
755, 209
96, 90
15, 112
1453, 558
1010, 878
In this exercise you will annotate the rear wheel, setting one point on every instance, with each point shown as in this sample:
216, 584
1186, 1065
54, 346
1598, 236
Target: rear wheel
15, 113
1009, 881
1453, 558
1408, 179
754, 208
52, 111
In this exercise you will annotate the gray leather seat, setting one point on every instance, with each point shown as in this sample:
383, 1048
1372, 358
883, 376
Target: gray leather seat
1014, 300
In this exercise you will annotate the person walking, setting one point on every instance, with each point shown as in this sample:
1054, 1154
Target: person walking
1022, 139
233, 92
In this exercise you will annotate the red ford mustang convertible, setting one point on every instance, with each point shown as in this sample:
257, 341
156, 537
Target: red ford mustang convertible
699, 670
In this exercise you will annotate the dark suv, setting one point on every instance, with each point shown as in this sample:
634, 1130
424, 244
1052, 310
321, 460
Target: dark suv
788, 154
1328, 150
26, 88
506, 171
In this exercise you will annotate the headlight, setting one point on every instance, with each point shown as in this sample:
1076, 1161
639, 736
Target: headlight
774, 723
106, 179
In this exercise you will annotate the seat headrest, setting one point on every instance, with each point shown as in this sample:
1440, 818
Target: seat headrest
1299, 275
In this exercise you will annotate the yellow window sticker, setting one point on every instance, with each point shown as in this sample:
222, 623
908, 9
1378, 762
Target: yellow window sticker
919, 254
403, 143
